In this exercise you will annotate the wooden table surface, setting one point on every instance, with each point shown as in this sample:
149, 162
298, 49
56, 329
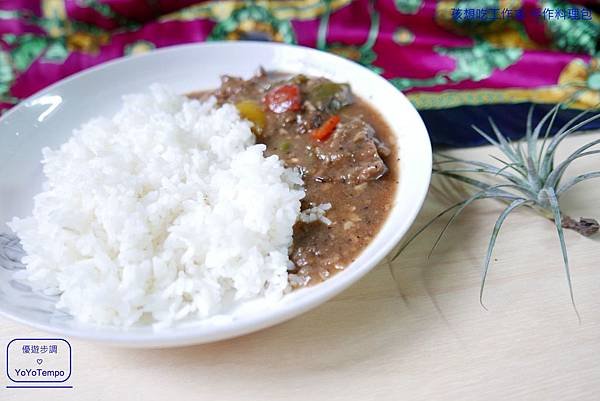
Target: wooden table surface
410, 330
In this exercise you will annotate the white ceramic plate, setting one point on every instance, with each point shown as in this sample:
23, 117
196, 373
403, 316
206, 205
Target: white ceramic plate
48, 118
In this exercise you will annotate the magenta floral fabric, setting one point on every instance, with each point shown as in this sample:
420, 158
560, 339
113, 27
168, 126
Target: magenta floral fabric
458, 61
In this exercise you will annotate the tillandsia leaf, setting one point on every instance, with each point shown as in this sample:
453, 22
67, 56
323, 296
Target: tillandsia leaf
547, 154
540, 125
572, 121
507, 150
490, 168
535, 134
451, 159
486, 136
530, 164
553, 113
483, 185
449, 191
547, 160
553, 200
558, 171
554, 177
531, 141
486, 193
534, 179
479, 195
574, 181
504, 168
495, 172
519, 150
586, 146
488, 256
471, 181
427, 225
459, 209
517, 167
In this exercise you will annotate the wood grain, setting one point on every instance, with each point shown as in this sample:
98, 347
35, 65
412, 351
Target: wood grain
410, 330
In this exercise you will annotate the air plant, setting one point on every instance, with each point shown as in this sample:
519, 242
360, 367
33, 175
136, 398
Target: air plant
527, 176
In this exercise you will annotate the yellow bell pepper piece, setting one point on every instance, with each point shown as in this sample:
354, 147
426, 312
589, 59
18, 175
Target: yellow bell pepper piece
253, 112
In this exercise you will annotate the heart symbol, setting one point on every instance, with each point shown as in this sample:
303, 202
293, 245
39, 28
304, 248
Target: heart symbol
39, 361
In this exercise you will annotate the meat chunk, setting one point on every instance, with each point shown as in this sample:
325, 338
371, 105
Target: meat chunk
234, 89
351, 155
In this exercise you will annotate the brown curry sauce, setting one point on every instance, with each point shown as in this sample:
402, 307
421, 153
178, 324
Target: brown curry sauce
354, 168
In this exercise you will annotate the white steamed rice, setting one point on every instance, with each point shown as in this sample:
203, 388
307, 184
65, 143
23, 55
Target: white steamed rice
167, 212
316, 213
